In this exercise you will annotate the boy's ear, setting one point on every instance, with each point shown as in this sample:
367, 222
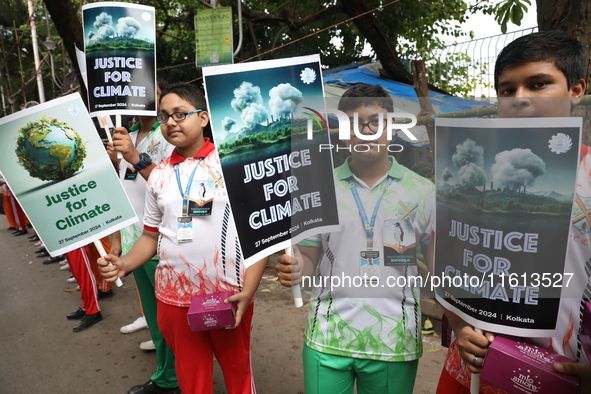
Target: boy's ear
577, 91
204, 118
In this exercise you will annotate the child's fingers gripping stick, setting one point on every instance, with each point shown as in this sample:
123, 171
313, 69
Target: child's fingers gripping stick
296, 291
105, 125
102, 252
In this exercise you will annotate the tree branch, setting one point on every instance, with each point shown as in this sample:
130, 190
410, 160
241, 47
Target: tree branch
293, 24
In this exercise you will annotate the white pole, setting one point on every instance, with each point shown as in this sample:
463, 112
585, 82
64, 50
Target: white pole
239, 5
36, 52
3, 113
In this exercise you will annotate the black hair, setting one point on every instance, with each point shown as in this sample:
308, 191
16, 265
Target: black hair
161, 81
365, 94
193, 95
187, 92
556, 46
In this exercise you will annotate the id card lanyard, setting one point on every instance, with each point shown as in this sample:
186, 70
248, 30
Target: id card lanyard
184, 231
367, 224
185, 195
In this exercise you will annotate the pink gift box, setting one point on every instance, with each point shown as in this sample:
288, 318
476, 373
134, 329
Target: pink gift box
208, 312
586, 331
521, 367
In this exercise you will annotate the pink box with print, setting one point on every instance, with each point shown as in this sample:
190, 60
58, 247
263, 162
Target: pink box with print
521, 367
209, 312
586, 331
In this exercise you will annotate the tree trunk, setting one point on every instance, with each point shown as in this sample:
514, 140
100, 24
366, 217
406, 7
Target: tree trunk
69, 27
574, 17
384, 47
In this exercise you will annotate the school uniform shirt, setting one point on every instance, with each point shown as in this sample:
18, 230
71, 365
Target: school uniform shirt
382, 323
158, 149
566, 340
212, 262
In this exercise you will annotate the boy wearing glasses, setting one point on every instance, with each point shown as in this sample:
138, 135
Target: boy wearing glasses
198, 249
368, 330
143, 148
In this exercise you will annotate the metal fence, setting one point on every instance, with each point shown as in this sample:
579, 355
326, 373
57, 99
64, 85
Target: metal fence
466, 68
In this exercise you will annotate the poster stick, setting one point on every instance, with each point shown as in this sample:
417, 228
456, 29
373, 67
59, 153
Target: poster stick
104, 125
102, 252
296, 290
118, 124
475, 379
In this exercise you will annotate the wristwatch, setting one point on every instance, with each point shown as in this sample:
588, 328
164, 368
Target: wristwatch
145, 160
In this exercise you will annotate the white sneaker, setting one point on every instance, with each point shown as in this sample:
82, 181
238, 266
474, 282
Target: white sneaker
38, 243
71, 279
65, 267
78, 288
63, 262
148, 345
139, 324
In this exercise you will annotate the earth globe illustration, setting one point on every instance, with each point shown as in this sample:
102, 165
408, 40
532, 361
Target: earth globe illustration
50, 150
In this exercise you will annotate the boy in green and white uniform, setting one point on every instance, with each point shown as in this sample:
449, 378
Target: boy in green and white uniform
366, 330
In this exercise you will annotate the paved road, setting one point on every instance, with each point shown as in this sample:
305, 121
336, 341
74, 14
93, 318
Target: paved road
39, 353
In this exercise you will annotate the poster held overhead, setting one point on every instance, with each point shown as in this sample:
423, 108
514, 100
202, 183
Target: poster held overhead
120, 48
504, 201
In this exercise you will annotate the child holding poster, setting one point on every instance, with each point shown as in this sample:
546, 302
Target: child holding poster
365, 333
548, 64
143, 147
198, 254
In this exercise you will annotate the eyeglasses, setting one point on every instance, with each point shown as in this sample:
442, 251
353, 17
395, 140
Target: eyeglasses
177, 116
373, 126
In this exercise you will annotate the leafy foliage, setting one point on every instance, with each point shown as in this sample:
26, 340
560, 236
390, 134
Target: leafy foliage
508, 202
510, 11
271, 29
119, 43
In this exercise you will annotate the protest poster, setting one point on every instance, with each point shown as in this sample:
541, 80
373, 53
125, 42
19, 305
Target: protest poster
120, 48
59, 172
505, 192
280, 184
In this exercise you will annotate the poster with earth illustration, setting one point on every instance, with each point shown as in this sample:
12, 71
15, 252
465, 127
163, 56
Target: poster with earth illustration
59, 171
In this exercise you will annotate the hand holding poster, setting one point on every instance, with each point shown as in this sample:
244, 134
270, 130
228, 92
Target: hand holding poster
61, 175
504, 201
120, 47
280, 184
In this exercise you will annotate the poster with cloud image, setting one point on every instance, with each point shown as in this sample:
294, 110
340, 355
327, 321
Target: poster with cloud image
120, 48
280, 185
505, 192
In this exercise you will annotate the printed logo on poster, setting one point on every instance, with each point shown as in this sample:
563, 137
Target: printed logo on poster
353, 127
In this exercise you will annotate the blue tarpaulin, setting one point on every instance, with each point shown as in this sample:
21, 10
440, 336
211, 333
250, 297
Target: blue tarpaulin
337, 80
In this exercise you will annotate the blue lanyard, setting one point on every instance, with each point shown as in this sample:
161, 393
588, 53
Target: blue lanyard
185, 196
368, 225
